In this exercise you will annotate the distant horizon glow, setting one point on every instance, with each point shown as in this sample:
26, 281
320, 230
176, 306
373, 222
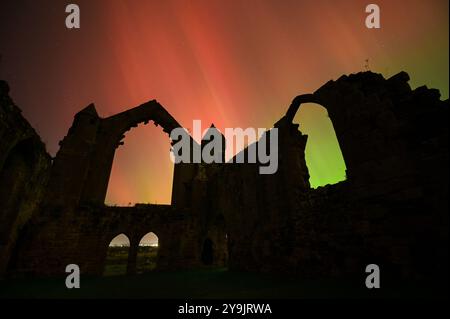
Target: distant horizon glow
122, 240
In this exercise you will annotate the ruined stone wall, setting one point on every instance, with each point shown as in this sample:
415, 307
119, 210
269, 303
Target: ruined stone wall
82, 237
258, 209
73, 225
392, 210
82, 166
344, 231
24, 172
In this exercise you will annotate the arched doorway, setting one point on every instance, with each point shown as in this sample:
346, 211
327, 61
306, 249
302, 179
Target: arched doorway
323, 154
207, 256
117, 256
142, 171
147, 254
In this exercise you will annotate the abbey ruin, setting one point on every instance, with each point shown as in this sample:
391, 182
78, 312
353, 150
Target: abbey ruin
392, 209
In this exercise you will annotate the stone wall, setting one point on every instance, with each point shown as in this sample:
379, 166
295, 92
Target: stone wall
24, 172
73, 225
82, 236
392, 210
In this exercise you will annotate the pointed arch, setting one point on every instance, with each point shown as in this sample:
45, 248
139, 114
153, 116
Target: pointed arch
117, 256
147, 256
142, 171
323, 153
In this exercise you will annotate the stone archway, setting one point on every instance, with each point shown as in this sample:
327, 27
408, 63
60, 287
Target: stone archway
109, 136
116, 261
142, 171
367, 125
323, 155
82, 167
147, 254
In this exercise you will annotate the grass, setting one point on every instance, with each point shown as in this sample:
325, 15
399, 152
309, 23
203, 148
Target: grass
216, 283
146, 259
117, 259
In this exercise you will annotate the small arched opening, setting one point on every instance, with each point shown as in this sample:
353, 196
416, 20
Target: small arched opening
117, 256
147, 255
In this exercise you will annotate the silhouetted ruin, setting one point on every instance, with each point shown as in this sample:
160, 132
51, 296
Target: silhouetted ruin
392, 210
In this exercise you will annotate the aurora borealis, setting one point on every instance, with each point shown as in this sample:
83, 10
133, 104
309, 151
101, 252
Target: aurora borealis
231, 63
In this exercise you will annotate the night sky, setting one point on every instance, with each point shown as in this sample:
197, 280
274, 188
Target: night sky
232, 63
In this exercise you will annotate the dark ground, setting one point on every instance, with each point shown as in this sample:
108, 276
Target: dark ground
210, 283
